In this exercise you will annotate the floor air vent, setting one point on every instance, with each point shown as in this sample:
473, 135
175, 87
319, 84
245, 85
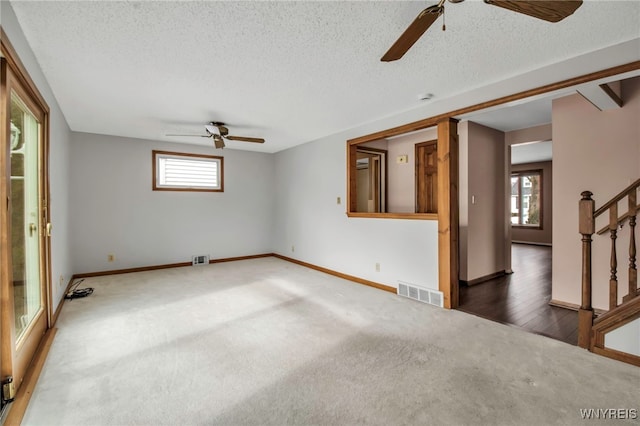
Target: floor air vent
432, 297
199, 260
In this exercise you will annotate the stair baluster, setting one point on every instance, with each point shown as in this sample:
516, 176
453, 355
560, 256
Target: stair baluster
633, 272
613, 280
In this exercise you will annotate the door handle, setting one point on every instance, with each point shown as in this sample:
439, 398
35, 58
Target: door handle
32, 228
49, 226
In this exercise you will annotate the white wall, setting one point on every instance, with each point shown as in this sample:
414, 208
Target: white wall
61, 260
596, 151
115, 211
309, 178
482, 177
625, 338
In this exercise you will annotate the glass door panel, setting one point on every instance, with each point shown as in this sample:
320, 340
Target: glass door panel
25, 218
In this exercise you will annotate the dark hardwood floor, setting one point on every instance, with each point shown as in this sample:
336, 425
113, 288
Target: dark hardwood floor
522, 298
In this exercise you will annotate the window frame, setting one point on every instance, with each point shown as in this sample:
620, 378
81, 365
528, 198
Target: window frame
154, 162
520, 174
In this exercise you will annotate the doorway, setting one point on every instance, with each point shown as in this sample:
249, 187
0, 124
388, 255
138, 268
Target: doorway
522, 297
25, 226
371, 176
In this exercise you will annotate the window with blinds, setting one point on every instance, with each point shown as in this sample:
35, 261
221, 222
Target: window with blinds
174, 171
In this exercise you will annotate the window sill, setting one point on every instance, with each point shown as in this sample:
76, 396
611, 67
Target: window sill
414, 216
536, 228
155, 188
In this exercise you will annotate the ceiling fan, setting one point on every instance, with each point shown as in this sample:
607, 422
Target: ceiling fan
217, 131
551, 11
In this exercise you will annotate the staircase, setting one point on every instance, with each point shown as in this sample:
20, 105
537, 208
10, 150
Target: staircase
592, 329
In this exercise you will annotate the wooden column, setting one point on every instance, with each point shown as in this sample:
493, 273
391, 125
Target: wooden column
352, 198
448, 211
587, 229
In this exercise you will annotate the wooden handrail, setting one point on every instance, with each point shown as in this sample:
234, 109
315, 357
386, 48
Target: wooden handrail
621, 221
624, 314
617, 198
612, 319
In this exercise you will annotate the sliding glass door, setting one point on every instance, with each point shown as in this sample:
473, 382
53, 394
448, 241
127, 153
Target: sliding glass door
25, 225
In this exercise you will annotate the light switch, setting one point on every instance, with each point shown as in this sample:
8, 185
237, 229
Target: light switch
338, 201
402, 159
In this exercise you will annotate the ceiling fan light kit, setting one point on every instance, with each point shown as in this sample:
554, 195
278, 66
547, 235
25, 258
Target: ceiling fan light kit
218, 142
547, 10
217, 131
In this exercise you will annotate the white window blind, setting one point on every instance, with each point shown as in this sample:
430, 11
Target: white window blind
174, 171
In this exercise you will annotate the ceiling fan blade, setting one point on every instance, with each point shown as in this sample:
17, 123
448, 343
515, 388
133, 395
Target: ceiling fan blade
551, 11
408, 38
201, 136
245, 139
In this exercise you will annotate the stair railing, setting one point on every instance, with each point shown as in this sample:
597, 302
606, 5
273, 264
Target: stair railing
588, 215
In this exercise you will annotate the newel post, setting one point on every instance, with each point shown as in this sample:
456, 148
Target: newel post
587, 229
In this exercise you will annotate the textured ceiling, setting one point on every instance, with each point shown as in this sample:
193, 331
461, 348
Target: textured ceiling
290, 72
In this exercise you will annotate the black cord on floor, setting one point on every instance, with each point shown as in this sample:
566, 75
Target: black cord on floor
76, 293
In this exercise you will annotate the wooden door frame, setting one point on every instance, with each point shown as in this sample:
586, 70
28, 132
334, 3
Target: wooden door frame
379, 152
13, 68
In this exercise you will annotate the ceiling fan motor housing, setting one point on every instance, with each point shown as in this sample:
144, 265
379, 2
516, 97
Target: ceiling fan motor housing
224, 131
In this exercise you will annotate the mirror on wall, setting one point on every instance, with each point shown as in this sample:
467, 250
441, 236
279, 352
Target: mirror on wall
396, 175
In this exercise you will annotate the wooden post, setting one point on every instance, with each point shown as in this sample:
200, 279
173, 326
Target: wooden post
352, 198
613, 280
587, 229
448, 211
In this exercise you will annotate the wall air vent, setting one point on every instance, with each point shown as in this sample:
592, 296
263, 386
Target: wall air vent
425, 295
199, 260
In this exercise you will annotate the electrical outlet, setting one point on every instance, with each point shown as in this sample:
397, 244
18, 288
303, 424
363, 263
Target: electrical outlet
338, 201
111, 257
61, 283
293, 248
377, 267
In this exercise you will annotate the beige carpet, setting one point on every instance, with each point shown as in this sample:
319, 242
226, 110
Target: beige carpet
267, 342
